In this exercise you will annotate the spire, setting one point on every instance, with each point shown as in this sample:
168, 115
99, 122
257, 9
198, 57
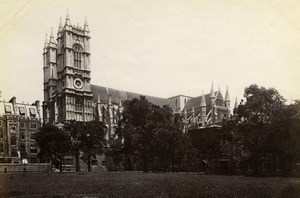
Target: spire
212, 92
86, 25
227, 95
203, 102
46, 41
60, 25
52, 36
193, 110
219, 90
98, 99
236, 103
120, 103
68, 21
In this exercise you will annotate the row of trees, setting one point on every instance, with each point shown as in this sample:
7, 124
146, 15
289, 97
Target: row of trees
147, 132
261, 128
71, 139
264, 128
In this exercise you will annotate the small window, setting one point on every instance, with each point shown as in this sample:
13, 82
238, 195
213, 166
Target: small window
32, 111
69, 161
32, 125
33, 149
1, 147
7, 109
12, 128
22, 135
14, 153
22, 111
22, 125
32, 135
13, 140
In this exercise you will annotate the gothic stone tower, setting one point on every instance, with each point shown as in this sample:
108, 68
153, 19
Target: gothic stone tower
67, 88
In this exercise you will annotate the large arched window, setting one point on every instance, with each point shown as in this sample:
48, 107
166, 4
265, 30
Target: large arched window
77, 56
78, 109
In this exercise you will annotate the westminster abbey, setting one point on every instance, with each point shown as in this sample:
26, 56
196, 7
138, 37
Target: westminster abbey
69, 94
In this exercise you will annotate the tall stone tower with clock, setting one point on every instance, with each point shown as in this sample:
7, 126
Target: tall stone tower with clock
67, 89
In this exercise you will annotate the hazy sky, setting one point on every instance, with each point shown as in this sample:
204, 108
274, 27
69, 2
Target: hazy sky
158, 47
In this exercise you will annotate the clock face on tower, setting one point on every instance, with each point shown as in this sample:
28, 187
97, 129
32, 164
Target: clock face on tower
78, 83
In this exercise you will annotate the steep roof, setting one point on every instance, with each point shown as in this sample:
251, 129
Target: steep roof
195, 102
117, 95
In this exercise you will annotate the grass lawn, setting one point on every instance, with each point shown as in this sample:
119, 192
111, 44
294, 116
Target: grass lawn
136, 184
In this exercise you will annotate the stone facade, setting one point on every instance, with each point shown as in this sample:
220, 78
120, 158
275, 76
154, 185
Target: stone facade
68, 94
18, 124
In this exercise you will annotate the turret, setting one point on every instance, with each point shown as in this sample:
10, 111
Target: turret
235, 104
227, 103
52, 40
120, 109
212, 95
203, 109
46, 66
68, 21
227, 100
193, 116
60, 26
86, 26
46, 43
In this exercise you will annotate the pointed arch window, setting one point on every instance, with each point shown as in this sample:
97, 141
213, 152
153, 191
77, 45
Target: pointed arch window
78, 109
77, 54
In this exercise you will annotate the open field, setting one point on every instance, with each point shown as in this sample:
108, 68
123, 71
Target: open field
136, 184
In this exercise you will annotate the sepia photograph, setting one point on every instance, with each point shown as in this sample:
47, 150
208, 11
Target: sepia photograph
149, 98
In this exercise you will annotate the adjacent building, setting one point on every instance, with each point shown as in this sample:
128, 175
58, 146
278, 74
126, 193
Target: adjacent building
18, 124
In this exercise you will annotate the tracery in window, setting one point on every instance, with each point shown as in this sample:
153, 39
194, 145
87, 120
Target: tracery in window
77, 52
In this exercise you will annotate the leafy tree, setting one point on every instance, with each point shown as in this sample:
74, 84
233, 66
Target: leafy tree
54, 144
138, 133
72, 129
136, 129
169, 145
255, 121
91, 138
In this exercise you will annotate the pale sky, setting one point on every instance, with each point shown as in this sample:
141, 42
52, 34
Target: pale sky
158, 47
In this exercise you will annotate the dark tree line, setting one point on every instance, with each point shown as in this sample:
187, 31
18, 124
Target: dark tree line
264, 128
149, 133
73, 138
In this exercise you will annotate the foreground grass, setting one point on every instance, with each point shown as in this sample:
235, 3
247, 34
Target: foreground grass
135, 184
